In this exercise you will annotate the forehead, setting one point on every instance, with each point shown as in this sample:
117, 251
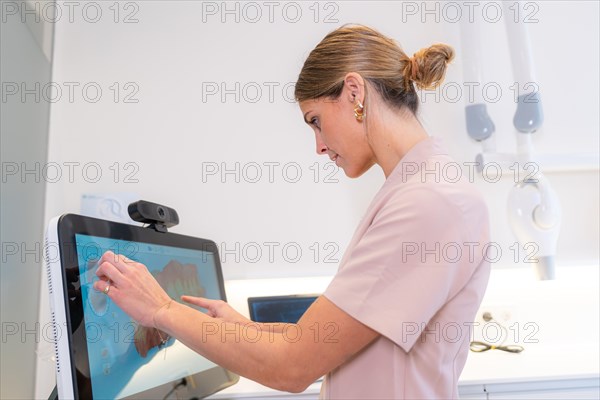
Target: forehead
308, 105
316, 104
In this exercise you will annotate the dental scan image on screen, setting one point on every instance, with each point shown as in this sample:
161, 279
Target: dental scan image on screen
125, 358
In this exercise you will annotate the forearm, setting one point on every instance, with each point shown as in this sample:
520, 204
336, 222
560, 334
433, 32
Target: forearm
275, 327
258, 354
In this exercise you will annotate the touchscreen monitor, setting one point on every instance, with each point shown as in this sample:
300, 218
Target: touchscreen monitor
101, 352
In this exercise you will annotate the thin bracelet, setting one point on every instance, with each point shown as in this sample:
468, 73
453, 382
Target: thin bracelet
162, 341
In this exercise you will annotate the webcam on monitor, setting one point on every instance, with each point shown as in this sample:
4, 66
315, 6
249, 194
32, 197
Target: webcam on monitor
158, 216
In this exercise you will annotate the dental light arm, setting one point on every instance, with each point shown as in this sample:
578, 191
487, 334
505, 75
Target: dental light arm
480, 126
529, 117
534, 217
534, 212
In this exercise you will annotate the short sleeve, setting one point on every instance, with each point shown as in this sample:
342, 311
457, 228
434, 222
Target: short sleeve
405, 266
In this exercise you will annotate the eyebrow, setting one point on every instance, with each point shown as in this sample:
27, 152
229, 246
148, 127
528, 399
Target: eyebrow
305, 120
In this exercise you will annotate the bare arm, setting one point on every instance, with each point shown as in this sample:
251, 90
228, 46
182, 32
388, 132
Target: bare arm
289, 360
223, 311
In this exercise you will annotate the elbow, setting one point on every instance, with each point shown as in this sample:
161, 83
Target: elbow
292, 369
297, 386
293, 379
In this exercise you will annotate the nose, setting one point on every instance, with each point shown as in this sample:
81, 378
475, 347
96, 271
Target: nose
321, 146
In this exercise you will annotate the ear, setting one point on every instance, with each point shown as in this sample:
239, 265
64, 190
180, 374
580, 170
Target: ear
354, 87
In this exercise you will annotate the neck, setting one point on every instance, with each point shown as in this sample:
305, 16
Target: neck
394, 135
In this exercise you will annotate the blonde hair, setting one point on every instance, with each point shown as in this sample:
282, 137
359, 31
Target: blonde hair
378, 59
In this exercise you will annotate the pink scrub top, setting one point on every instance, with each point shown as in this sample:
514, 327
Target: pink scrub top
415, 271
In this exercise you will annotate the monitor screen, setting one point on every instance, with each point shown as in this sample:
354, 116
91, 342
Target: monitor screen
286, 309
109, 355
123, 357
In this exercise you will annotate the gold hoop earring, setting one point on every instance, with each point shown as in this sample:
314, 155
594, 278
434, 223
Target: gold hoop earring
359, 111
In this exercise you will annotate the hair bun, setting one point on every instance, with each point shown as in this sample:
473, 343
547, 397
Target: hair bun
427, 67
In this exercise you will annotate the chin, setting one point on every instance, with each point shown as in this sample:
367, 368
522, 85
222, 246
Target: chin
354, 172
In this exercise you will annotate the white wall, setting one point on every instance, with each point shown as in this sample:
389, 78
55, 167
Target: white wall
172, 132
24, 141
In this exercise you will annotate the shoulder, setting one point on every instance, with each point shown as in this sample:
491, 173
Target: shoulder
423, 199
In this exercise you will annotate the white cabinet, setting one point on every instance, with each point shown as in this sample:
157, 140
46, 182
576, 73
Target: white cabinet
584, 388
575, 388
472, 392
571, 394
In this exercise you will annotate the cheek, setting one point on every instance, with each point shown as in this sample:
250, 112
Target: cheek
356, 142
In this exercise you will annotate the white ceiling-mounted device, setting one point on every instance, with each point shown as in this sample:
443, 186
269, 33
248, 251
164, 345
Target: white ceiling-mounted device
534, 212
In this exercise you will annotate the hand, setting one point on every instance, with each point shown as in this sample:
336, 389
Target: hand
217, 309
132, 287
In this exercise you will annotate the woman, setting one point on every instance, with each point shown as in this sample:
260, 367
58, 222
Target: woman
394, 322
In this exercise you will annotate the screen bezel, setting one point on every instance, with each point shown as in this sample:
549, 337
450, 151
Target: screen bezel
203, 383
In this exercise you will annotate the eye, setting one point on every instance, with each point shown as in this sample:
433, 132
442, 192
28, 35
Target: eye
315, 122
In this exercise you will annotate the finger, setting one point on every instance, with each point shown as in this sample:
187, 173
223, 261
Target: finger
110, 272
120, 262
107, 256
92, 263
208, 305
102, 286
198, 301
